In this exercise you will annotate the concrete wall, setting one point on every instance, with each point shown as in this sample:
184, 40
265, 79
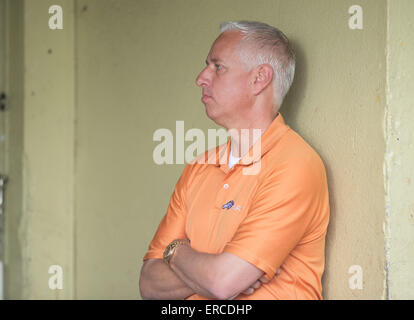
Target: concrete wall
399, 164
40, 197
337, 104
14, 281
3, 33
87, 193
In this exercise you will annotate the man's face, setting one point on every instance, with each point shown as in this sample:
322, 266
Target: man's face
225, 82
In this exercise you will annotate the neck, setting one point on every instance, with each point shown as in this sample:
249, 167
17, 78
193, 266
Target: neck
242, 139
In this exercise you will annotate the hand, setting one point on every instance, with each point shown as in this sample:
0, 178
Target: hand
255, 286
188, 242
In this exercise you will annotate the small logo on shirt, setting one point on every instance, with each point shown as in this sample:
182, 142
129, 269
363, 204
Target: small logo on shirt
230, 206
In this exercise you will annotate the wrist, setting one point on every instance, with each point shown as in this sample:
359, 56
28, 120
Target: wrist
171, 250
177, 253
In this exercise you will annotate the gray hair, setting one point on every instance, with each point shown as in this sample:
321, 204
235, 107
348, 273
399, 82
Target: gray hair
264, 44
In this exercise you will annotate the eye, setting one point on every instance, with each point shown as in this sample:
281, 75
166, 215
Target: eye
218, 67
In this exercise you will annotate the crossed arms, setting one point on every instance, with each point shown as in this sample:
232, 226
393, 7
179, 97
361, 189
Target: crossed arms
218, 276
279, 223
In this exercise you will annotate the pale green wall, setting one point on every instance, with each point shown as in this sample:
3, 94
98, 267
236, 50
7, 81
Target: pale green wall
337, 104
399, 164
88, 195
3, 33
13, 255
136, 74
49, 149
40, 195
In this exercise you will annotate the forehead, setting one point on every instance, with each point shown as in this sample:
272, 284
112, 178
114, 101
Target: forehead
224, 47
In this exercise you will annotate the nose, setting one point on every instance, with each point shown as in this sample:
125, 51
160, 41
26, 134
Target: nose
203, 78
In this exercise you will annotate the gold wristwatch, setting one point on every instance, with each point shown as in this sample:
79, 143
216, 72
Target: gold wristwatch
170, 249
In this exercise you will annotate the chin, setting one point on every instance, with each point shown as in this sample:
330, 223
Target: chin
216, 119
215, 113
209, 112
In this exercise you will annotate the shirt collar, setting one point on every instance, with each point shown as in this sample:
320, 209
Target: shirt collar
219, 156
268, 139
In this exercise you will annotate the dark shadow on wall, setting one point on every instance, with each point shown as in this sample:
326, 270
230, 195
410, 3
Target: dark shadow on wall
296, 94
330, 232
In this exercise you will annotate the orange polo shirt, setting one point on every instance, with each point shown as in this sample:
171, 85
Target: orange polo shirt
275, 218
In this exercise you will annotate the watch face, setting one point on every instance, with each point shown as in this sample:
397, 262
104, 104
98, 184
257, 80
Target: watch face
168, 251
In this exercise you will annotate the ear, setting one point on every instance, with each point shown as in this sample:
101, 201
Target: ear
262, 77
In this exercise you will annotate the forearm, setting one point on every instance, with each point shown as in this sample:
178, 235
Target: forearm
219, 276
158, 281
196, 269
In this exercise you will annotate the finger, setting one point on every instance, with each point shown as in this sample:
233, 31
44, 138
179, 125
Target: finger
264, 280
257, 284
248, 291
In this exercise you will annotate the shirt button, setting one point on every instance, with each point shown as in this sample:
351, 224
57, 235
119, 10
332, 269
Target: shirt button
226, 186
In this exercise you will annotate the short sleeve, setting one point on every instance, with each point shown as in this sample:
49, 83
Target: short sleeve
172, 225
279, 216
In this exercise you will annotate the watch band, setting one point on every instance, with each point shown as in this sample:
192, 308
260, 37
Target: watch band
170, 249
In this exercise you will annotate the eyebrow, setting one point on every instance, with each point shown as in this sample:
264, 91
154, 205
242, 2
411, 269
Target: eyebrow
215, 60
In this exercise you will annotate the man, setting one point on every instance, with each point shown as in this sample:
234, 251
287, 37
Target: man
228, 234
